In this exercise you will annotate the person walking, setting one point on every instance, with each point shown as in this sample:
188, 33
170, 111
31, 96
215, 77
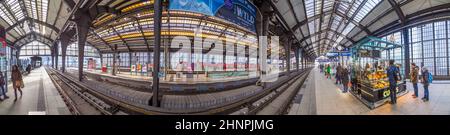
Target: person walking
328, 71
28, 69
392, 74
344, 78
16, 78
338, 74
2, 85
414, 79
426, 83
321, 68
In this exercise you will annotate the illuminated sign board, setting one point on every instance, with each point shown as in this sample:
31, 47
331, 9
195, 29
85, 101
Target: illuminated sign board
2, 41
239, 12
335, 54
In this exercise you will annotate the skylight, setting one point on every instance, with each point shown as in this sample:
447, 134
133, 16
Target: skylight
343, 19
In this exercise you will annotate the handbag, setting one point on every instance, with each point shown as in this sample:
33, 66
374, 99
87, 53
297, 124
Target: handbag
22, 85
18, 83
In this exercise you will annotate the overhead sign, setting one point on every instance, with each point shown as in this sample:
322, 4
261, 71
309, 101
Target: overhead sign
346, 54
335, 54
332, 54
239, 12
370, 53
326, 60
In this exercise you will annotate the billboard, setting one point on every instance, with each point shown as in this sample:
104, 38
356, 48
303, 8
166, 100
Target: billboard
2, 41
239, 12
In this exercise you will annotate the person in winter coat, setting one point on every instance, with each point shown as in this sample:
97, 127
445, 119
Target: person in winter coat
344, 78
414, 79
426, 83
16, 78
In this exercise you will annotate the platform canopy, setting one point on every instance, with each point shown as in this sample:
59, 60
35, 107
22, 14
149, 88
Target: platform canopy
43, 20
27, 20
320, 25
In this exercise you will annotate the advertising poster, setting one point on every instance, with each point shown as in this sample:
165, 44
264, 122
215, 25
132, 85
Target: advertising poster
133, 68
239, 12
144, 68
2, 41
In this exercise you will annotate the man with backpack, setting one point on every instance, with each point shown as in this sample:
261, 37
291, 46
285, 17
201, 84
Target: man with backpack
393, 76
427, 78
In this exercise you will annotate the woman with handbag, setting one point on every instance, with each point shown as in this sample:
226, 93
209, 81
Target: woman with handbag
16, 78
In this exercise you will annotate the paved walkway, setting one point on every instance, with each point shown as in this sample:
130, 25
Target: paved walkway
329, 100
39, 97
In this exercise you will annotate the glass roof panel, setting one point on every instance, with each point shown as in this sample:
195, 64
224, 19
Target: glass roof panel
6, 16
309, 5
14, 11
349, 14
368, 6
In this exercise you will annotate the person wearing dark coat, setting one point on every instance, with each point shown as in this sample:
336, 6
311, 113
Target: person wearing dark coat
16, 78
344, 78
426, 84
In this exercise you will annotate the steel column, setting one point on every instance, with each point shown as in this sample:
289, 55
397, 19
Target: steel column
82, 31
287, 48
406, 46
57, 55
64, 44
296, 57
53, 55
114, 67
447, 41
434, 50
157, 33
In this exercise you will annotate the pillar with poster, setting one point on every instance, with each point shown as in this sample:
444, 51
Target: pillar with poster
3, 58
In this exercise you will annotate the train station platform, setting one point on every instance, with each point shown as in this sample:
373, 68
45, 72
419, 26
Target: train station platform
40, 97
323, 97
171, 78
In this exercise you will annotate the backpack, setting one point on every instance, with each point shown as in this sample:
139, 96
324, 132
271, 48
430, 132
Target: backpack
396, 74
430, 77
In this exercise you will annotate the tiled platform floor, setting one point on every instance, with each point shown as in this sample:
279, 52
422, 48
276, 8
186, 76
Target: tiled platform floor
39, 96
329, 100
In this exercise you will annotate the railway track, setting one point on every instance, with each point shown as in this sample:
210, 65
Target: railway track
83, 99
277, 101
79, 100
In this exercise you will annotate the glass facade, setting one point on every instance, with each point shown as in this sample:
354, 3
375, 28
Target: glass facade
90, 53
35, 48
428, 45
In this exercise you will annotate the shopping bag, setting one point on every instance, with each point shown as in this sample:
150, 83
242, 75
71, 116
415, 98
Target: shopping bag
18, 83
21, 84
